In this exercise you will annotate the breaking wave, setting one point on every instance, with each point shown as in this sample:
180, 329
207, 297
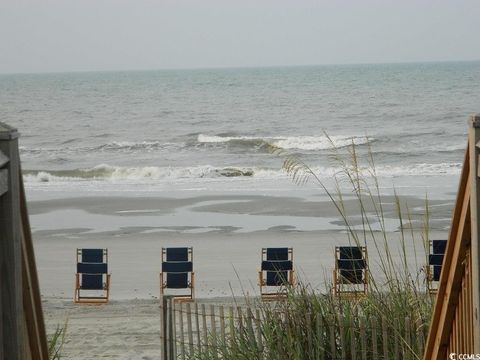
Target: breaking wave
114, 173
291, 142
153, 173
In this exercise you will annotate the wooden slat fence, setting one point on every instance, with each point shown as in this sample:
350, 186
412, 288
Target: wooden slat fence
217, 331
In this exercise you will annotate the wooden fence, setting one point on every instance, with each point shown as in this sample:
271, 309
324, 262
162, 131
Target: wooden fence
215, 331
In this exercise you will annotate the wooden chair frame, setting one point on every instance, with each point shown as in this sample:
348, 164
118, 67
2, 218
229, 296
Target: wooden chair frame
191, 284
338, 284
432, 290
79, 298
281, 291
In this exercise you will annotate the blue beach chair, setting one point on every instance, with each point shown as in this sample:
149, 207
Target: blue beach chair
92, 276
435, 260
276, 273
177, 272
350, 277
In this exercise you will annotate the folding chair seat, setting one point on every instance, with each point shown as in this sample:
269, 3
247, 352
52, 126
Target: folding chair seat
350, 277
92, 280
177, 271
276, 272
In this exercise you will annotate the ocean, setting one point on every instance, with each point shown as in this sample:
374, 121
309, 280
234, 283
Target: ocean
136, 161
177, 131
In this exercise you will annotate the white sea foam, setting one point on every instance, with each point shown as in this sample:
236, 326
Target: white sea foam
219, 139
320, 142
106, 172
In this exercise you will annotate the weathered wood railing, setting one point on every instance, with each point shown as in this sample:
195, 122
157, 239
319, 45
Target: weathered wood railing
22, 330
455, 326
216, 331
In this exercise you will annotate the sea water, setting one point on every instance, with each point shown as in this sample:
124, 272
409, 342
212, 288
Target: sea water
174, 131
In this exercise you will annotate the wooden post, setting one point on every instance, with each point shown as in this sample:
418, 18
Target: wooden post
170, 330
163, 328
197, 323
222, 325
205, 329
320, 343
32, 303
353, 346
407, 349
12, 315
166, 328
189, 330
231, 323
385, 338
258, 324
240, 319
213, 331
333, 346
343, 344
311, 352
363, 340
474, 138
396, 350
373, 327
182, 332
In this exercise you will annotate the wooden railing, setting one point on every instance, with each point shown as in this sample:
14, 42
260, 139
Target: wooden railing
455, 325
22, 330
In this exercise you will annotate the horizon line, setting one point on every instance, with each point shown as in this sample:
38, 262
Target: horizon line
246, 67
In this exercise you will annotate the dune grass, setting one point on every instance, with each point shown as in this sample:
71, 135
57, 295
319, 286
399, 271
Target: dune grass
308, 325
56, 342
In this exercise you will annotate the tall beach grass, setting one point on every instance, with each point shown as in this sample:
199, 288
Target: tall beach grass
392, 320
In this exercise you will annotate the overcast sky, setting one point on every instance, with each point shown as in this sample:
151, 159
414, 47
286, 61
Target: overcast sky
84, 35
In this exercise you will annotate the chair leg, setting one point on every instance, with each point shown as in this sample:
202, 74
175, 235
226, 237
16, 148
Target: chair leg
108, 287
161, 285
260, 282
76, 294
335, 290
192, 287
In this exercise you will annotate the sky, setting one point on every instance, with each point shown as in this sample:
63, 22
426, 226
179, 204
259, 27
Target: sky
108, 35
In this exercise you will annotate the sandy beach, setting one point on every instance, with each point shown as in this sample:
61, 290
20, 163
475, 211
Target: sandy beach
226, 256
